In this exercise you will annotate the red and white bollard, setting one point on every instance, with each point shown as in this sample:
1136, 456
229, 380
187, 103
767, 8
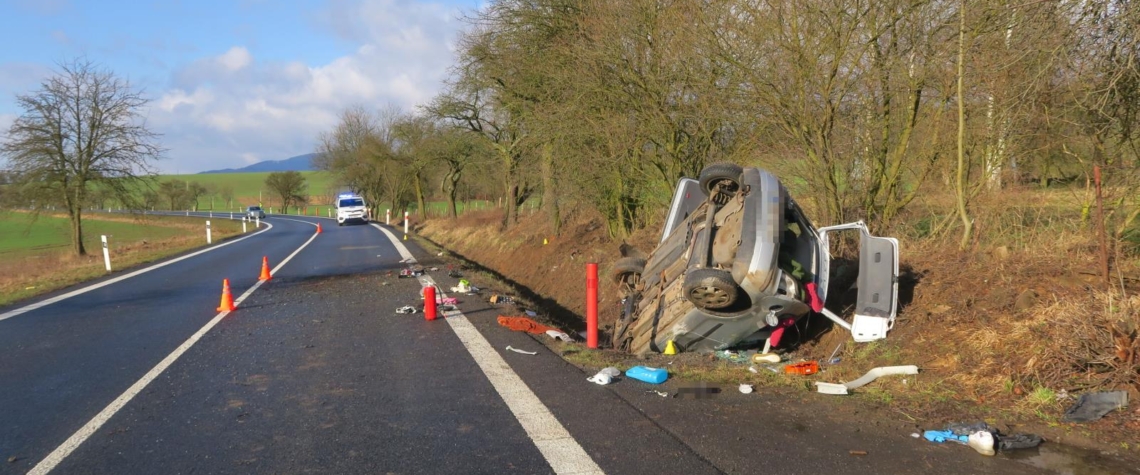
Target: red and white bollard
429, 303
592, 305
405, 222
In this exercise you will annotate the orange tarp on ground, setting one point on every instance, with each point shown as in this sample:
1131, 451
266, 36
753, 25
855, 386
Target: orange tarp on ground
524, 324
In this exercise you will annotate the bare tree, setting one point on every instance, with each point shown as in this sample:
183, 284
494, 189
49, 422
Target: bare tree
83, 126
289, 186
226, 193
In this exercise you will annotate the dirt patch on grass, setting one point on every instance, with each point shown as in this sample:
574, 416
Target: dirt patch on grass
1009, 333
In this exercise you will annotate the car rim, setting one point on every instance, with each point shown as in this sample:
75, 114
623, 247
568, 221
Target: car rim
709, 296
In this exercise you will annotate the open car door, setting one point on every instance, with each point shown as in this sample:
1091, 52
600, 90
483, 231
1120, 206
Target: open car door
877, 302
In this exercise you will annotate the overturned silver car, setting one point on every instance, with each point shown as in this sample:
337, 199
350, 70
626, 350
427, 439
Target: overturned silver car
739, 260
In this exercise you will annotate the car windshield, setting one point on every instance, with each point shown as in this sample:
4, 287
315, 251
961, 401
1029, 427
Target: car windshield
255, 208
351, 202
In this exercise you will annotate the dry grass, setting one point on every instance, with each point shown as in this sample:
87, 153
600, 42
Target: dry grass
1001, 331
25, 276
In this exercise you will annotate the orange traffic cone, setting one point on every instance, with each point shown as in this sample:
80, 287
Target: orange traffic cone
227, 304
318, 228
265, 269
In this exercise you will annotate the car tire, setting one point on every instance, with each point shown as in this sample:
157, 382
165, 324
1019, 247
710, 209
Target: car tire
627, 267
711, 289
719, 173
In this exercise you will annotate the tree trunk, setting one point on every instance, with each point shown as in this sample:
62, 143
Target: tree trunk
549, 192
77, 232
960, 182
420, 196
451, 185
512, 215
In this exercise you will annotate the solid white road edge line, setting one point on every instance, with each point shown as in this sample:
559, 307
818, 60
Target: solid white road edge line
557, 446
56, 456
73, 293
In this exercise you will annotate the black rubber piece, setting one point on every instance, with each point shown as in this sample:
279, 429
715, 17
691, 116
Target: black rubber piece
710, 288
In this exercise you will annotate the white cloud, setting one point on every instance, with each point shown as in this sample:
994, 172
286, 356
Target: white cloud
236, 58
224, 110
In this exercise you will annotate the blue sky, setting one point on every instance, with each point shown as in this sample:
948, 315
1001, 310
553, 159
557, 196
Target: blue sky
236, 82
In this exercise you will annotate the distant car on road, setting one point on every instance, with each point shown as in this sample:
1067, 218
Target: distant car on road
350, 207
737, 260
255, 212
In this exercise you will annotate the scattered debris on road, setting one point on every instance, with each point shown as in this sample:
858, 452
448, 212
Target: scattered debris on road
857, 452
557, 335
406, 309
761, 358
647, 374
1093, 406
524, 324
497, 299
745, 389
982, 437
805, 368
876, 373
605, 376
516, 350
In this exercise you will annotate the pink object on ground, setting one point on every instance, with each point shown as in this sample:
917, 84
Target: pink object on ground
778, 333
816, 303
451, 301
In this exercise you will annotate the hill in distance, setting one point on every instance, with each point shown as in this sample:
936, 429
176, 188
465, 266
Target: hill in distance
300, 163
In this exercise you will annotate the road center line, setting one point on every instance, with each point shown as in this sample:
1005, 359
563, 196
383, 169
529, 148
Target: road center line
73, 293
56, 456
557, 446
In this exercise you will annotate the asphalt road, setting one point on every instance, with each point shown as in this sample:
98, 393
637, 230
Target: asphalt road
315, 373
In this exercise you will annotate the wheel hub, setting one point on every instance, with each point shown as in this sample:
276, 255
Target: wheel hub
710, 297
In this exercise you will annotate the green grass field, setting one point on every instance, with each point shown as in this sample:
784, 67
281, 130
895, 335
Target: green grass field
35, 256
21, 236
248, 186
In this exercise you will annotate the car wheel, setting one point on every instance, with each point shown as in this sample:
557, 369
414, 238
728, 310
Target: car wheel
727, 174
710, 288
627, 267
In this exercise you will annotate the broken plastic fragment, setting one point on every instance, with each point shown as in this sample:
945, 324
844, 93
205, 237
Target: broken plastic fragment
516, 350
601, 378
557, 335
982, 441
832, 388
746, 388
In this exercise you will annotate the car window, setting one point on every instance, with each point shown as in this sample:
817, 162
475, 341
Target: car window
351, 202
255, 208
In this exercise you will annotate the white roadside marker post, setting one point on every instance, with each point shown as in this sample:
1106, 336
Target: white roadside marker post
208, 238
388, 217
258, 225
243, 225
405, 222
106, 253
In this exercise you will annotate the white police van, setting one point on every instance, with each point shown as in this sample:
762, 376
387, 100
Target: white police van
350, 207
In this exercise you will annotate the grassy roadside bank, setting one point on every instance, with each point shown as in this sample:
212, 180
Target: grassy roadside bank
35, 258
994, 332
